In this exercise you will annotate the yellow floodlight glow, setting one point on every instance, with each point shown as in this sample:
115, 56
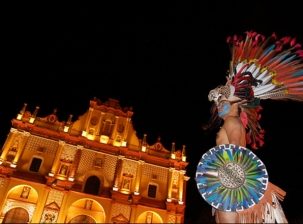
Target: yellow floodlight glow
31, 120
19, 116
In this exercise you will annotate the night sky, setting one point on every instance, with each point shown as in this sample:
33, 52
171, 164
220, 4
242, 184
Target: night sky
160, 59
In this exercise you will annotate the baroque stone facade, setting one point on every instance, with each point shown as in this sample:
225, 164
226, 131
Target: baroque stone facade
96, 166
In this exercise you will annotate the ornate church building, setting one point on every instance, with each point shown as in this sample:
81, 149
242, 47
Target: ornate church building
92, 170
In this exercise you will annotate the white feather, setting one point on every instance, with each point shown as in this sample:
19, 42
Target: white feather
251, 68
256, 72
263, 74
239, 66
263, 89
266, 80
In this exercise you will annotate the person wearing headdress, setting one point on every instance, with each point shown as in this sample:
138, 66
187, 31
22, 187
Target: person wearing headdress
229, 176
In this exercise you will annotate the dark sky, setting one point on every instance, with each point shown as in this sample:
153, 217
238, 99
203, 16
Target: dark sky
160, 59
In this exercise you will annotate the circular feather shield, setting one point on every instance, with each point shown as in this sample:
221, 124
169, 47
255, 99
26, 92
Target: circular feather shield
231, 178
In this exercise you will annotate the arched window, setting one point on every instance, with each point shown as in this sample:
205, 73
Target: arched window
16, 215
82, 219
92, 185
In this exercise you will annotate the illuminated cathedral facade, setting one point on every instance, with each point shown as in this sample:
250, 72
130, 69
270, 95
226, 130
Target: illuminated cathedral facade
92, 170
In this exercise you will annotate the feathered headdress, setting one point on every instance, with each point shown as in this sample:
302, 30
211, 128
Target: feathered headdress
260, 68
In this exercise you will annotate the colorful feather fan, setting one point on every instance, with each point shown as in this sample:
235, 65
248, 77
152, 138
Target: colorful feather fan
275, 63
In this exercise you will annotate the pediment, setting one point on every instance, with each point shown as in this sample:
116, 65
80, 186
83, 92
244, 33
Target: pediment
53, 205
120, 219
158, 146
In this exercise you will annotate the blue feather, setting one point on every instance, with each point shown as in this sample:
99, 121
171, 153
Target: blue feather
268, 50
289, 59
279, 57
298, 73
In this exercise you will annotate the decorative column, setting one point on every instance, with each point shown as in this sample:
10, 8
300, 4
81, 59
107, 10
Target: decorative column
76, 163
40, 205
144, 143
5, 188
68, 123
20, 115
110, 132
99, 123
186, 178
57, 158
114, 132
138, 177
126, 129
133, 213
181, 180
172, 154
179, 218
21, 147
118, 172
170, 174
110, 215
183, 154
33, 117
8, 143
63, 208
84, 132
